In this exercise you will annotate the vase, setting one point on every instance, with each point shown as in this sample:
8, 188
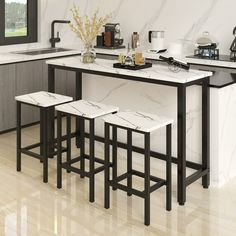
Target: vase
88, 54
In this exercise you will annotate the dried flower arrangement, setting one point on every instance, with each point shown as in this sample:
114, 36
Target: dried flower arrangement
87, 28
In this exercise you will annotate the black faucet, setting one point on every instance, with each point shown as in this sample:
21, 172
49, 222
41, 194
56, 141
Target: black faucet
54, 40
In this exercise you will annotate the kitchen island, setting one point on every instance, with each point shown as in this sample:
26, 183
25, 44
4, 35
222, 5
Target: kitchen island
158, 75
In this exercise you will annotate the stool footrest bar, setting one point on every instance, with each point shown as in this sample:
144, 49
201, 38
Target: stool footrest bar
78, 159
157, 185
75, 170
126, 189
142, 175
195, 176
99, 169
98, 160
32, 154
33, 146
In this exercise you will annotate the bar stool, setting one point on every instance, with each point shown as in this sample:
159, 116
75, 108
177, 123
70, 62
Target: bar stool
44, 101
84, 110
143, 123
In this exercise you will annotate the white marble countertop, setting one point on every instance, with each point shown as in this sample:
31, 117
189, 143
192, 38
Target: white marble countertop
155, 56
156, 72
13, 57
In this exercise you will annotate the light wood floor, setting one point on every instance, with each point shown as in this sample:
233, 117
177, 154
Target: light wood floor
28, 207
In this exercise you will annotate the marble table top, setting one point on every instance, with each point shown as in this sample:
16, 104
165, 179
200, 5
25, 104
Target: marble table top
138, 120
87, 109
157, 72
43, 99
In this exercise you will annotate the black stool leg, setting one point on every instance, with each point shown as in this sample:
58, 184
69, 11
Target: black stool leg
18, 136
168, 168
51, 131
91, 160
82, 149
107, 167
129, 161
59, 150
45, 146
114, 154
41, 134
147, 179
68, 139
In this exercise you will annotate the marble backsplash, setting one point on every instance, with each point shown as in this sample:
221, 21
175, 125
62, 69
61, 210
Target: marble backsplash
182, 20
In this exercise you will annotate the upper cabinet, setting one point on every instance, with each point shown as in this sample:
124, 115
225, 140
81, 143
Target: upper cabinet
18, 21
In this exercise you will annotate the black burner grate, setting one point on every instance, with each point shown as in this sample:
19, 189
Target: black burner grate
207, 53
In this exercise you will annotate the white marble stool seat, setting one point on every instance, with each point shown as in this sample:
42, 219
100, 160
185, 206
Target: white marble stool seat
144, 123
83, 110
139, 121
87, 109
46, 102
43, 99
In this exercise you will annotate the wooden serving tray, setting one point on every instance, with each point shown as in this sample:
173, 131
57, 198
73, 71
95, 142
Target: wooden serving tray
135, 67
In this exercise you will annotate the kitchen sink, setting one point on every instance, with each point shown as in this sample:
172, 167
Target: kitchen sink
43, 51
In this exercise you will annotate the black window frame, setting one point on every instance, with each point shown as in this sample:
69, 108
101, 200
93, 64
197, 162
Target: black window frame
32, 25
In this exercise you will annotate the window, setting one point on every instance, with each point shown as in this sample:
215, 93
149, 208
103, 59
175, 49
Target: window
18, 21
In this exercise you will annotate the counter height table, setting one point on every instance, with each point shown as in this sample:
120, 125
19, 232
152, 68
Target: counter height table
159, 75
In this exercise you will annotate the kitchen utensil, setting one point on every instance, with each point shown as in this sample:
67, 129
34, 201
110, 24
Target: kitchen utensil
233, 45
135, 40
175, 64
206, 40
156, 38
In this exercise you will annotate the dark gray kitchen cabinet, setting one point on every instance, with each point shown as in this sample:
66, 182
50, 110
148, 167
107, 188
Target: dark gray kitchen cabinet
70, 89
32, 77
65, 81
7, 100
29, 79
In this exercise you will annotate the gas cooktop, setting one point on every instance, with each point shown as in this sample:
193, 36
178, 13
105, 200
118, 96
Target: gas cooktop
218, 58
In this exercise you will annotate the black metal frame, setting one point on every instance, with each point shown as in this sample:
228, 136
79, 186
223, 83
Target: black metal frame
203, 169
32, 25
83, 156
148, 189
43, 156
44, 140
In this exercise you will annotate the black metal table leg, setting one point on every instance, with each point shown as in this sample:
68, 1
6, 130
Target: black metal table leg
82, 145
59, 150
68, 139
168, 167
147, 179
45, 146
114, 154
206, 132
91, 160
51, 111
41, 133
18, 135
78, 96
181, 144
129, 161
107, 167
